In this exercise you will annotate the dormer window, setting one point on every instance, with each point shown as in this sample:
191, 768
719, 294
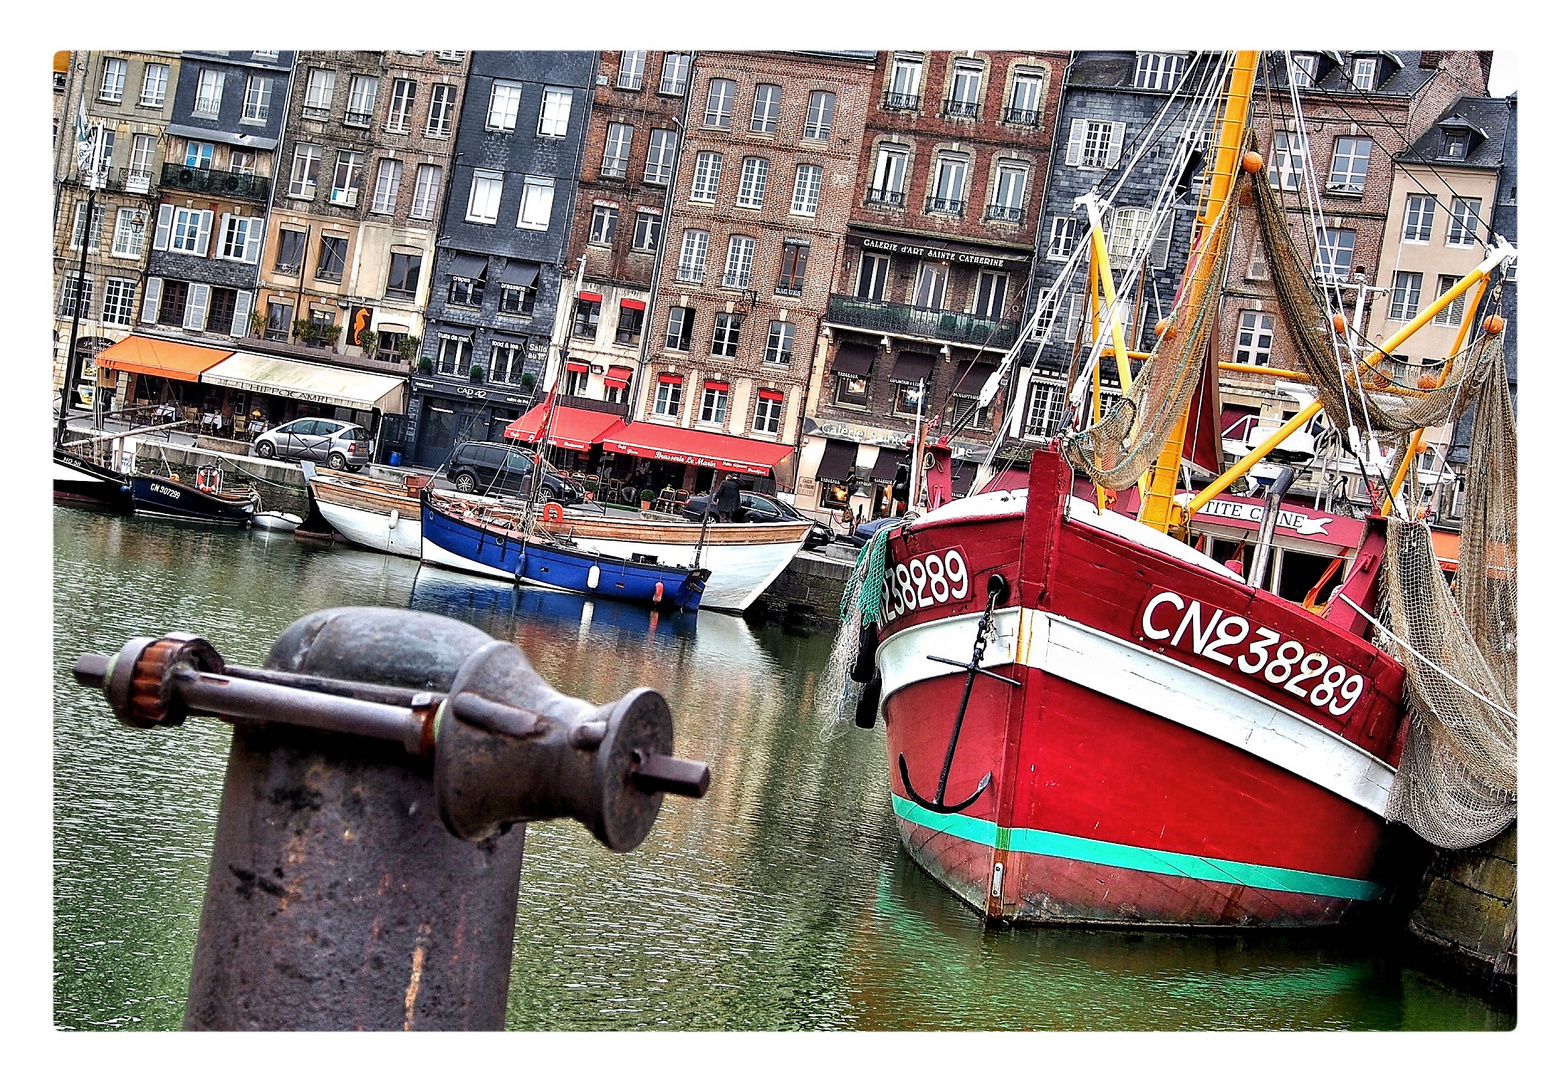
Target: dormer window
1158, 71
1302, 69
1364, 74
1454, 144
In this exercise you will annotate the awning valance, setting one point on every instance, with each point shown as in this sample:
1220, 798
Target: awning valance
853, 359
837, 461
573, 429
518, 273
468, 266
167, 359
308, 382
634, 305
617, 376
913, 366
660, 442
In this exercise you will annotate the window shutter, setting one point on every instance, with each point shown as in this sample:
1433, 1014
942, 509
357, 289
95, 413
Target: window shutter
1117, 135
160, 239
150, 302
204, 234
196, 306
241, 326
222, 233
1074, 146
1159, 256
253, 240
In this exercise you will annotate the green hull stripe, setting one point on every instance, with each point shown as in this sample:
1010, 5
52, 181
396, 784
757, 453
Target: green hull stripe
1128, 857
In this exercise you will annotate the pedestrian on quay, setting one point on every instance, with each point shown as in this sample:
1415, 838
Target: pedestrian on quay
726, 500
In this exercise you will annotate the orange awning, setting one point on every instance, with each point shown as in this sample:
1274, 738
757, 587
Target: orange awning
573, 429
169, 359
1448, 546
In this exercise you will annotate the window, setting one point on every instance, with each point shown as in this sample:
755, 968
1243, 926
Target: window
989, 297
403, 281
725, 333
331, 259
633, 62
307, 166
1452, 314
693, 257
704, 183
1253, 343
1128, 232
617, 150
818, 114
119, 301
443, 103
715, 403
906, 75
720, 103
290, 251
345, 178
76, 227
1158, 71
484, 197
585, 322
361, 100
130, 233
791, 275
736, 271
1288, 160
769, 412
1419, 218
154, 85
538, 202
601, 230
676, 69
504, 100
660, 157
780, 343
388, 180
318, 93
242, 161
852, 390
966, 405
891, 170
75, 289
930, 286
1010, 183
1046, 408
1405, 295
112, 88
1464, 229
1350, 163
264, 54
628, 331
871, 282
425, 187
682, 320
258, 99
505, 361
906, 397
1062, 238
807, 190
1302, 70
764, 114
452, 356
517, 299
400, 112
1365, 74
466, 291
1095, 144
240, 238
279, 320
170, 299
189, 230
1454, 144
555, 115
649, 226
753, 182
951, 179
451, 55
198, 155
1027, 90
220, 309
667, 403
966, 80
1334, 253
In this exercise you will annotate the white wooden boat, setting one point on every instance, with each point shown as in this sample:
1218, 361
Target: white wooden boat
372, 513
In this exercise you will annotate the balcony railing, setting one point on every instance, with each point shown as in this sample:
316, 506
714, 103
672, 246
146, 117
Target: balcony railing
315, 112
894, 102
238, 185
356, 118
887, 318
997, 212
968, 110
937, 205
886, 197
1028, 117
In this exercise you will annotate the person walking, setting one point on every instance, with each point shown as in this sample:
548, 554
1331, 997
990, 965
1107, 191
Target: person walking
726, 500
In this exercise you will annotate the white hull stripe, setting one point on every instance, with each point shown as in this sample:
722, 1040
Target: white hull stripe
1152, 682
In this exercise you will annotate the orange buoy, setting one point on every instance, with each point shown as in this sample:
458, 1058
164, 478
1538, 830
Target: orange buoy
1161, 327
657, 592
1339, 323
554, 513
1251, 162
1494, 324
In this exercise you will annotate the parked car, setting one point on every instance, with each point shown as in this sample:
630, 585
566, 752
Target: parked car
496, 469
764, 508
342, 444
865, 531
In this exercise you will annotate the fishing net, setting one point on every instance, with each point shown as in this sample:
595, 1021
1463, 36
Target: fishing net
1127, 440
861, 604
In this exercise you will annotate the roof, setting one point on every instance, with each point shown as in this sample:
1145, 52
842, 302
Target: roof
1487, 117
166, 359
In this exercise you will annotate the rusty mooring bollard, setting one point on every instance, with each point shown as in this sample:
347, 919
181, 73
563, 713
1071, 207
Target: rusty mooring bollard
366, 867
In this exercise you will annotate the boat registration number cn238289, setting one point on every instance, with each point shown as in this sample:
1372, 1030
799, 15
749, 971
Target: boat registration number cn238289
1254, 649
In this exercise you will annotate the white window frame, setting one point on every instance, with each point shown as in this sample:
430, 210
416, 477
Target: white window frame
119, 301
1034, 96
1364, 73
741, 258
780, 343
1129, 229
891, 170
714, 406
345, 178
989, 294
399, 111
1095, 144
807, 191
426, 193
138, 166
111, 87
154, 85
633, 66
320, 85
190, 230
1335, 249
1419, 218
1062, 238
605, 221
505, 98
443, 105
617, 150
554, 114
704, 177
726, 333
1288, 160
649, 227
1253, 338
258, 99
1016, 191
768, 416
1463, 232
666, 402
1452, 314
388, 183
819, 114
1045, 410
968, 76
661, 146
931, 281
130, 238
674, 81
764, 111
907, 78
362, 92
239, 238
209, 93
484, 196
1403, 300
719, 110
538, 202
1158, 71
1302, 69
753, 182
950, 182
1344, 178
870, 278
693, 256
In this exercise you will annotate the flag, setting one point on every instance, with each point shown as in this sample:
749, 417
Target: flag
86, 143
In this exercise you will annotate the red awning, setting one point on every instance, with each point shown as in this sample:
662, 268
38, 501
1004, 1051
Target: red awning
590, 296
617, 376
573, 365
659, 442
574, 429
634, 305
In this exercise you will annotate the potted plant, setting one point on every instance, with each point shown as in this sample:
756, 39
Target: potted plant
369, 341
527, 380
647, 497
304, 330
257, 324
408, 347
426, 365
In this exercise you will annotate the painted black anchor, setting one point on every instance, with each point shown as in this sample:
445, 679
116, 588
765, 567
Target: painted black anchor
997, 589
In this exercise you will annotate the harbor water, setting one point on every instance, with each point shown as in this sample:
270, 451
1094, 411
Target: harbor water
780, 901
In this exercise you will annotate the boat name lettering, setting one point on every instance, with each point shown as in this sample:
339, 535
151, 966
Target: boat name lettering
926, 580
1231, 640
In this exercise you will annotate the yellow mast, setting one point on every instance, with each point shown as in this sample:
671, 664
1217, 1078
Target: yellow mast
1159, 510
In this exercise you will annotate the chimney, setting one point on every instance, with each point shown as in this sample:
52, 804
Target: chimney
1430, 59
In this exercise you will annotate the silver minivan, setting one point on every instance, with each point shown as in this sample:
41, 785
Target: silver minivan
341, 444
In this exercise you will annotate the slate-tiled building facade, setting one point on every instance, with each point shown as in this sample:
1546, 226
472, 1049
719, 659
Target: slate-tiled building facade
498, 261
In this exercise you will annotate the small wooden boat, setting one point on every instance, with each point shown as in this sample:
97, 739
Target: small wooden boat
163, 496
372, 513
276, 521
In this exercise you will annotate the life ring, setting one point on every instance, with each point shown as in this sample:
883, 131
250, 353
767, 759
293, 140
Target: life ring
554, 513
